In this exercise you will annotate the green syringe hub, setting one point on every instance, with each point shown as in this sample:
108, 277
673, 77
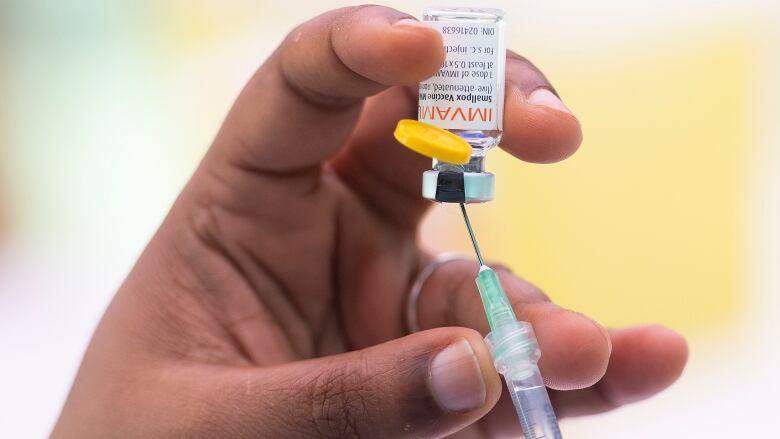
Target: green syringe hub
498, 310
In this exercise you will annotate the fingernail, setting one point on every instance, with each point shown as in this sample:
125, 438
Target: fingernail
411, 22
456, 379
546, 98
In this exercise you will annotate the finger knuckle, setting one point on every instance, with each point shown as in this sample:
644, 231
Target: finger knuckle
342, 403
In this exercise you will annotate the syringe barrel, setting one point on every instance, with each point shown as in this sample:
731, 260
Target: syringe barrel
534, 410
515, 354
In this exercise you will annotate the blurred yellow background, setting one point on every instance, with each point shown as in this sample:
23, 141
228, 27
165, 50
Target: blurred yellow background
669, 213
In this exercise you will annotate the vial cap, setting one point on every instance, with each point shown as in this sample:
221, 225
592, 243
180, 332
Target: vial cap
432, 141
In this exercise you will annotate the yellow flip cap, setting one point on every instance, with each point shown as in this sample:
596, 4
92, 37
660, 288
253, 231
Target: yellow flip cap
432, 141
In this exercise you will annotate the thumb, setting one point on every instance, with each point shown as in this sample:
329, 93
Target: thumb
428, 384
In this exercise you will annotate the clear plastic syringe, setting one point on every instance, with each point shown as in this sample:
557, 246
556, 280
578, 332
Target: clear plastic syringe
515, 353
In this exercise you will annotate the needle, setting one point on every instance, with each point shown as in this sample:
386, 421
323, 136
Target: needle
471, 234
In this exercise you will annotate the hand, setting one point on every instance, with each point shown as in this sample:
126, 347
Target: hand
271, 301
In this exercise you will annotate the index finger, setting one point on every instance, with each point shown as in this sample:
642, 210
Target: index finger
538, 127
303, 103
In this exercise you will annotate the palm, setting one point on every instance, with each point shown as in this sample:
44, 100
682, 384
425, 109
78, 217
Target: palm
325, 271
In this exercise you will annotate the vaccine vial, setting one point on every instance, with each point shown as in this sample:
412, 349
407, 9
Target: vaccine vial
465, 97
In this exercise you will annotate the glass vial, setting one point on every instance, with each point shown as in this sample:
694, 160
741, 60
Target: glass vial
465, 97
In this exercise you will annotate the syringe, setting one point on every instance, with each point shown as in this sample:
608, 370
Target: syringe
515, 353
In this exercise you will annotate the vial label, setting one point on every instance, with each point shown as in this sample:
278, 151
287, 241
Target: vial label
467, 93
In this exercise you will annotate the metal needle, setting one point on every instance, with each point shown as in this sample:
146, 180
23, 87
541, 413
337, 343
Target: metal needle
471, 234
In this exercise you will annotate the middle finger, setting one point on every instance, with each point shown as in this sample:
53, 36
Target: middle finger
575, 349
